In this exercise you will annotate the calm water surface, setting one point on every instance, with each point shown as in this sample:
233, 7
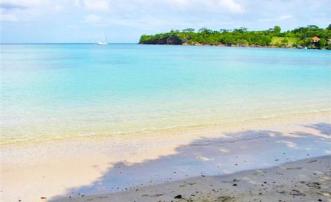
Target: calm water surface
72, 90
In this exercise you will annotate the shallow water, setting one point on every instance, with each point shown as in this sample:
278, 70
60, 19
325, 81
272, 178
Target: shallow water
56, 91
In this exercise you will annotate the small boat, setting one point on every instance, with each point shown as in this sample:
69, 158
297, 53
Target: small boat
103, 43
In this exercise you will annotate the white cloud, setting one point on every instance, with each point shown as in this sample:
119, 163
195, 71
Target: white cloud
93, 19
58, 8
276, 19
8, 17
96, 5
17, 10
180, 3
212, 5
25, 10
232, 5
25, 3
285, 17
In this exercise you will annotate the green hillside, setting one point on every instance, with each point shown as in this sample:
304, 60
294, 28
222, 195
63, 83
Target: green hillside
310, 36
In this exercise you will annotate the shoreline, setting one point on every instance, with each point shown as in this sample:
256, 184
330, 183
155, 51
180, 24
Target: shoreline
234, 46
226, 126
303, 180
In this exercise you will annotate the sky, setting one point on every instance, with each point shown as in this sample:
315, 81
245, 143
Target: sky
65, 21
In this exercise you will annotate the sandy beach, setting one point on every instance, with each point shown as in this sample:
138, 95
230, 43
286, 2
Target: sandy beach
305, 180
72, 169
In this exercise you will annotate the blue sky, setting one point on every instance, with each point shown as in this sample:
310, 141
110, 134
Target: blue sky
125, 20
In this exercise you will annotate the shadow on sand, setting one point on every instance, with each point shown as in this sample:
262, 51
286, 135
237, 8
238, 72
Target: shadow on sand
213, 156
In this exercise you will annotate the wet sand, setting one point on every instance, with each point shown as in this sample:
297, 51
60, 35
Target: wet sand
305, 180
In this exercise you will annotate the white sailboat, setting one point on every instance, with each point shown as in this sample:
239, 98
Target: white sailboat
104, 42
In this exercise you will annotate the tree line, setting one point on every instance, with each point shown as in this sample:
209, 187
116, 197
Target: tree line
310, 36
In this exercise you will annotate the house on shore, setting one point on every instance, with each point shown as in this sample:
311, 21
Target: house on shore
315, 39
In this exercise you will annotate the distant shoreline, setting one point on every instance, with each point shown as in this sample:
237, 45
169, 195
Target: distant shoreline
309, 37
237, 46
233, 46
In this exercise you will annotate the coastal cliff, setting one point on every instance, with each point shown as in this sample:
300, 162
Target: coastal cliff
310, 36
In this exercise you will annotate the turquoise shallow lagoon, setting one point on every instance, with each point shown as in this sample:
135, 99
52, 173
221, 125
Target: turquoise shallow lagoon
58, 91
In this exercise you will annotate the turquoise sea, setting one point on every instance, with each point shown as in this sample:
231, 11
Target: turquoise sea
58, 91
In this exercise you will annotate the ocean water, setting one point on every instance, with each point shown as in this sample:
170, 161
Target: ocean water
58, 91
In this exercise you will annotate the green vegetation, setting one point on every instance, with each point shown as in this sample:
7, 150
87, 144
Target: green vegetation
310, 36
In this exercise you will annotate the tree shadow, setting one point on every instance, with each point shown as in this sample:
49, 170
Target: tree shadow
230, 153
323, 128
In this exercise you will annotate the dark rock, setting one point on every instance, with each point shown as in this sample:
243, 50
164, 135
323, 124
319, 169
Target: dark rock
315, 185
295, 192
179, 196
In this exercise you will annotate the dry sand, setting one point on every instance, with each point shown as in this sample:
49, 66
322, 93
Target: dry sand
305, 180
